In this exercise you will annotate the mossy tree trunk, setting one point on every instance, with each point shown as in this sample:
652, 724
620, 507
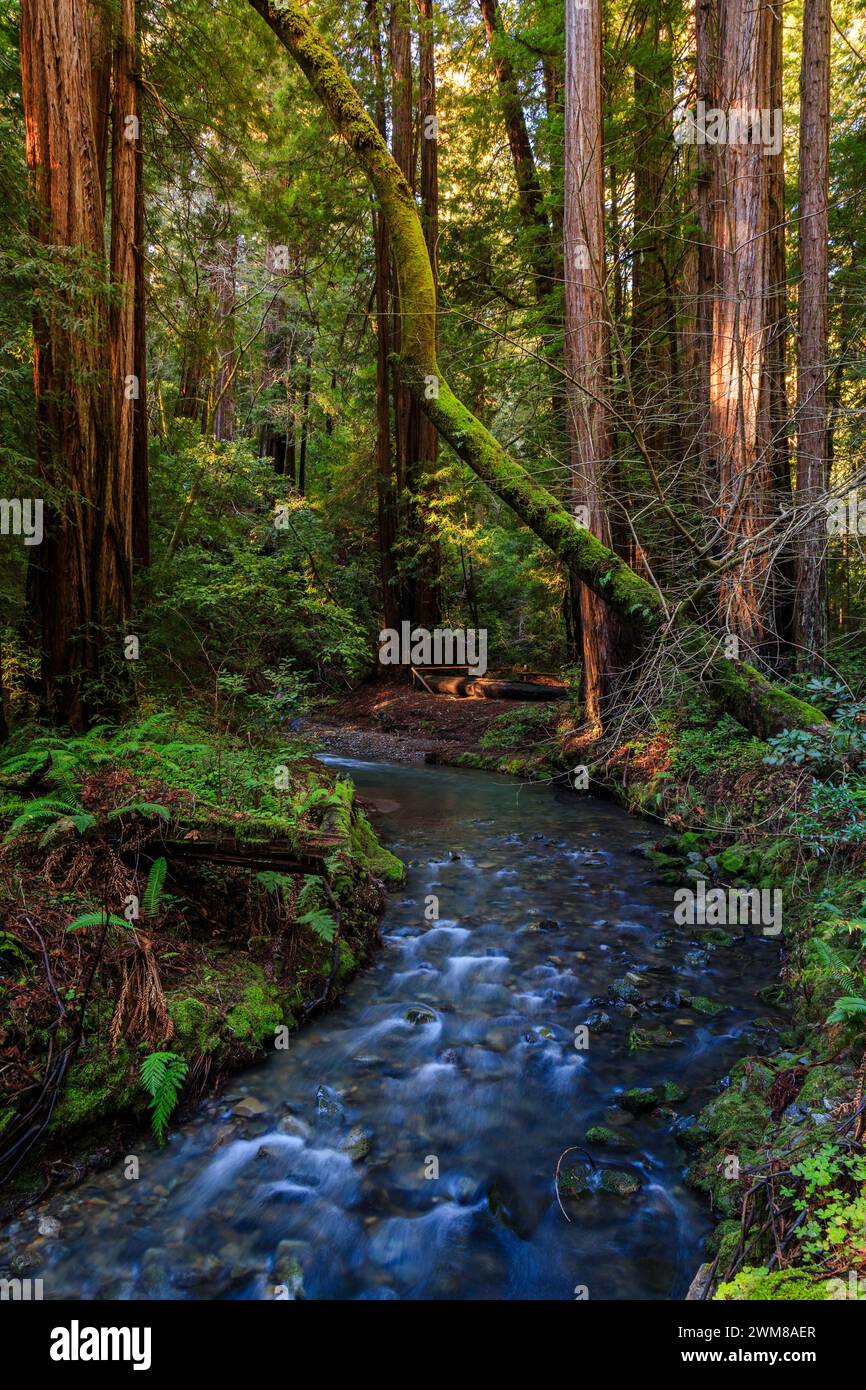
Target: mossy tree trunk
737, 687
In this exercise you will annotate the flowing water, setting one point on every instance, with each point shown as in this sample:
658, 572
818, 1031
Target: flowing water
406, 1144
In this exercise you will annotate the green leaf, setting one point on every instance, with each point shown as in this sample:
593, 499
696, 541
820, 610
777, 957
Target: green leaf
97, 919
153, 890
162, 1075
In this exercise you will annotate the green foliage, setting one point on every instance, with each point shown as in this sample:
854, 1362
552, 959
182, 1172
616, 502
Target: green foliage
97, 919
835, 815
833, 1196
525, 725
762, 1285
318, 918
162, 1075
152, 897
705, 746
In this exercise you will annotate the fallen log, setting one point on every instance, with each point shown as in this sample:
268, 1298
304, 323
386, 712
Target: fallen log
491, 688
278, 856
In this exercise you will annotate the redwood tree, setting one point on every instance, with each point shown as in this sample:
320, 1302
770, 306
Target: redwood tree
740, 435
811, 602
73, 56
586, 324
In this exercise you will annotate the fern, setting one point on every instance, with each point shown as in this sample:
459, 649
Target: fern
46, 808
143, 808
850, 1006
275, 883
321, 922
162, 1075
309, 890
837, 962
64, 824
153, 889
97, 919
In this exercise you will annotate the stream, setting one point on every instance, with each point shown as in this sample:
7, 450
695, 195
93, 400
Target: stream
405, 1145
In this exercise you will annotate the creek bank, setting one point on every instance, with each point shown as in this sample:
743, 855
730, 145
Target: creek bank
214, 964
458, 1045
728, 819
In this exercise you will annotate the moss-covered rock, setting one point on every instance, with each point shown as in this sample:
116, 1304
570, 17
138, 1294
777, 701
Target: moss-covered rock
607, 1138
639, 1099
735, 1123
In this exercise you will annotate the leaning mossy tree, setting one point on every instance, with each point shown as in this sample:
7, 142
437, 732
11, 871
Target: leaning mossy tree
738, 687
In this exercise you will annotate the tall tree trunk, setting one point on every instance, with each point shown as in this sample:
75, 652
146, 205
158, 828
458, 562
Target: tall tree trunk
403, 149
531, 198
586, 319
811, 597
653, 333
81, 580
706, 43
140, 466
427, 605
739, 416
777, 351
129, 365
386, 495
223, 289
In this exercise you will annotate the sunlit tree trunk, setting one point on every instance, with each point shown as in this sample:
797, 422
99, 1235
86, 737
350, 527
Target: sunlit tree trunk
739, 415
427, 605
706, 160
586, 323
81, 577
777, 351
811, 597
386, 495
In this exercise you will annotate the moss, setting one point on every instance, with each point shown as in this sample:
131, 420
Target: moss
608, 1138
735, 1123
97, 1087
707, 1006
197, 1026
761, 1285
641, 1098
723, 1241
258, 1014
823, 1083
348, 963
380, 862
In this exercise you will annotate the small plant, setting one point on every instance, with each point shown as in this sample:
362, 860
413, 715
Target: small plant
794, 747
162, 1075
153, 889
318, 917
833, 1196
833, 816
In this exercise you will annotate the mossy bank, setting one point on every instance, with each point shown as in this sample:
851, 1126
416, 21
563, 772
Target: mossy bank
118, 943
778, 1152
